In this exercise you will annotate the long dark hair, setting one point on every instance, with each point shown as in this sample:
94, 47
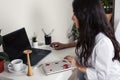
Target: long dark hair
92, 20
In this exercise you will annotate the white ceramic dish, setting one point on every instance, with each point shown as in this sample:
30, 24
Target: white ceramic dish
22, 70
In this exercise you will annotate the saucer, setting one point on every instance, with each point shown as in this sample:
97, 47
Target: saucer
22, 70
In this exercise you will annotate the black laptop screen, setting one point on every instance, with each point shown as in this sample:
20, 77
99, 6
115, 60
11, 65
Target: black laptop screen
14, 43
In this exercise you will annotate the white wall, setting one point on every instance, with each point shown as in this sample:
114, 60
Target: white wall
15, 14
53, 14
117, 12
35, 15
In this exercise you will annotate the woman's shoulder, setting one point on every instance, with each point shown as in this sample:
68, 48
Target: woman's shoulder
102, 38
103, 43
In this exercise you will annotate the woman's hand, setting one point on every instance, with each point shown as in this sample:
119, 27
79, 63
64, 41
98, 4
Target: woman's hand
58, 45
74, 62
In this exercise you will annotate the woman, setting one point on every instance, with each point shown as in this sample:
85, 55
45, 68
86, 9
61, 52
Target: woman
97, 49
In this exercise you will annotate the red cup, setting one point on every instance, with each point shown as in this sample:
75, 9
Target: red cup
1, 66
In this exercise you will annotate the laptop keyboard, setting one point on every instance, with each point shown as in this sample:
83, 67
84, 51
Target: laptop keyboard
37, 55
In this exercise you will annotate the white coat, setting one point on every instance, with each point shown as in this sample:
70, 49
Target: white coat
102, 65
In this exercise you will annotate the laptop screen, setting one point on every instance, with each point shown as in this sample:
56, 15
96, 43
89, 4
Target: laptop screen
15, 43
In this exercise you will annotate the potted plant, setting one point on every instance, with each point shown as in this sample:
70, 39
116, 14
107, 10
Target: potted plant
3, 56
73, 35
108, 6
75, 32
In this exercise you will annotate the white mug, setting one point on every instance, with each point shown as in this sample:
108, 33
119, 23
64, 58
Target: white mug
16, 64
35, 44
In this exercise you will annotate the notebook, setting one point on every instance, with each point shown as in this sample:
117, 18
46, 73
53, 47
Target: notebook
16, 42
57, 66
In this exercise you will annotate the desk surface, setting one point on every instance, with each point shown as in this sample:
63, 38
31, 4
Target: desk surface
55, 55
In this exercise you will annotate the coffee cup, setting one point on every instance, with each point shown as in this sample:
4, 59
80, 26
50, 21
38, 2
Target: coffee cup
16, 65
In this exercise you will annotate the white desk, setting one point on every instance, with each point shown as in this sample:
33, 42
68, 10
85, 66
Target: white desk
38, 72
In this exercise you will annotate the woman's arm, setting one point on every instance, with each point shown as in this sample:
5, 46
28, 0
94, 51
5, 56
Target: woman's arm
58, 45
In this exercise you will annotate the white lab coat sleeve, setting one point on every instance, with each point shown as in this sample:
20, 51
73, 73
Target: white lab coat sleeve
103, 54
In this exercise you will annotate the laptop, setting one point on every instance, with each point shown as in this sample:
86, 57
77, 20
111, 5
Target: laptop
16, 42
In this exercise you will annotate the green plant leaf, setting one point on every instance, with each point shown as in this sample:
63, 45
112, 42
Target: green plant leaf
1, 58
75, 32
4, 56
